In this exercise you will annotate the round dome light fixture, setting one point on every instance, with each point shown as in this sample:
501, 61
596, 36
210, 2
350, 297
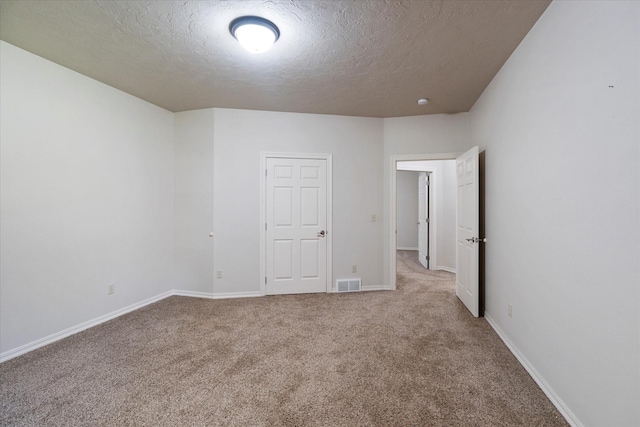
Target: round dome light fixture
423, 101
255, 34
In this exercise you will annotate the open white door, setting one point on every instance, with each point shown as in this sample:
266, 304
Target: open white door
296, 226
467, 231
423, 226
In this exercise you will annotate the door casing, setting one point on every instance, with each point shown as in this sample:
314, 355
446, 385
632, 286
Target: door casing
263, 214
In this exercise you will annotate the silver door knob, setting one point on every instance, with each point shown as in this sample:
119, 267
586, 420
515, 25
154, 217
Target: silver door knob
477, 240
322, 233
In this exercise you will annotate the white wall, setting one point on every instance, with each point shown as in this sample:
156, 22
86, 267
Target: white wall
562, 205
86, 198
438, 133
193, 168
239, 136
407, 219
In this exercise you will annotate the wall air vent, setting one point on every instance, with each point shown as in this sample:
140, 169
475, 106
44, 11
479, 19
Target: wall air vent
348, 285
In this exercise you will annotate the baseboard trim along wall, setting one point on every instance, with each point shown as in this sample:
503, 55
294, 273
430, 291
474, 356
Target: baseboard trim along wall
211, 295
548, 391
406, 249
374, 288
449, 269
364, 289
10, 354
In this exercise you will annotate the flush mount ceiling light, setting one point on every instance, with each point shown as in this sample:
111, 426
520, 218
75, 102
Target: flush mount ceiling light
255, 34
423, 101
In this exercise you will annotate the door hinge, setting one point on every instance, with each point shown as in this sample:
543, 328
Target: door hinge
428, 220
265, 172
428, 258
265, 280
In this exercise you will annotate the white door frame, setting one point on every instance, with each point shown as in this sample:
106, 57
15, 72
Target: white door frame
393, 226
263, 214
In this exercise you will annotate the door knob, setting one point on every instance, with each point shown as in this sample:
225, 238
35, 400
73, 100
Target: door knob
477, 240
322, 233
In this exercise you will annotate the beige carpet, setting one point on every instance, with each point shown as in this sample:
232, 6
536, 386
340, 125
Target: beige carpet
414, 357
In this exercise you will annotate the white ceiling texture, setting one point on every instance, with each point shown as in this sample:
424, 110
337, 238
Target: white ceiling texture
371, 58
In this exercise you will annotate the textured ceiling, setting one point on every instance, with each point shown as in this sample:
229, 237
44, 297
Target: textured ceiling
370, 58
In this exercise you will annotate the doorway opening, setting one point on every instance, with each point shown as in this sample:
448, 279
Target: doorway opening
416, 210
423, 211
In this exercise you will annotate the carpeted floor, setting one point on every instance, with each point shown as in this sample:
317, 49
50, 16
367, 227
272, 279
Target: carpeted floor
414, 357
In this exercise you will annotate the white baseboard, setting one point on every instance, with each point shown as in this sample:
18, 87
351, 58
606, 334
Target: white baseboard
551, 394
406, 249
18, 351
211, 295
10, 354
374, 288
449, 269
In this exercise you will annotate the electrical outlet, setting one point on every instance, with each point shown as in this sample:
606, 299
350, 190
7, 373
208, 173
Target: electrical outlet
354, 269
509, 310
111, 289
373, 217
219, 274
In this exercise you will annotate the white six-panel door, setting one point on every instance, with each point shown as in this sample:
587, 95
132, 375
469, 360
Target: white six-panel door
467, 231
296, 225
